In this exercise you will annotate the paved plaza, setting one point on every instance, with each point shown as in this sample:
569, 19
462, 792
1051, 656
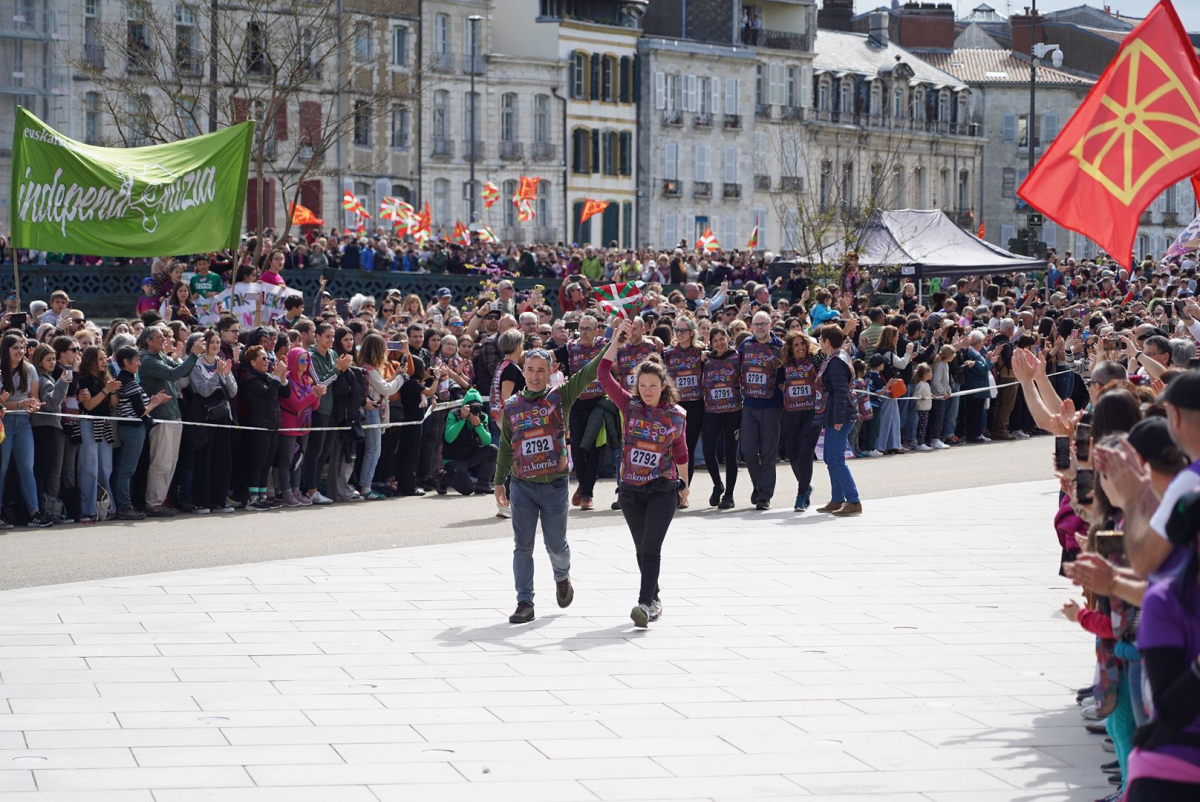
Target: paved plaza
913, 653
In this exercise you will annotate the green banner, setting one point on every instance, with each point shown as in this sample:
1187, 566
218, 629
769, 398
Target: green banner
181, 198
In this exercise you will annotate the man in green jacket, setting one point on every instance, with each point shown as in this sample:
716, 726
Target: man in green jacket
160, 373
533, 449
467, 449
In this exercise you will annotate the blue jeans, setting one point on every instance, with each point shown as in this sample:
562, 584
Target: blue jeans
908, 418
840, 480
372, 448
18, 441
95, 467
528, 501
889, 424
951, 419
133, 437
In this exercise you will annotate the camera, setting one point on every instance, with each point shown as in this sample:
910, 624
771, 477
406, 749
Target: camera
475, 409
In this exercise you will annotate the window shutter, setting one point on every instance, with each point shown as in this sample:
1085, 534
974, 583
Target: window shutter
281, 122
689, 229
760, 147
383, 188
689, 93
660, 90
731, 167
626, 153
670, 161
251, 204
595, 151
1049, 128
1008, 182
806, 85
729, 234
731, 95
310, 124
1010, 128
595, 93
775, 92
670, 230
716, 95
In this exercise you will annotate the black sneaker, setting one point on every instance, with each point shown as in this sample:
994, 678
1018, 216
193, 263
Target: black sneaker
523, 615
616, 505
762, 506
726, 503
564, 593
4, 524
40, 521
259, 505
441, 484
715, 498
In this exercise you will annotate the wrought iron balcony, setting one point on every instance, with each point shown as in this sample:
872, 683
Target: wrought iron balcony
762, 182
733, 122
791, 183
731, 191
673, 118
702, 119
701, 189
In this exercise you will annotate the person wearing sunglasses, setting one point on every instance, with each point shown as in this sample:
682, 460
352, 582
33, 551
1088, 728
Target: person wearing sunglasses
533, 452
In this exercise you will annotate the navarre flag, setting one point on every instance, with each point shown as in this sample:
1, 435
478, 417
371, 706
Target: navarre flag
982, 229
490, 194
529, 187
303, 216
708, 241
422, 227
591, 208
461, 234
525, 211
1136, 133
752, 244
620, 299
486, 234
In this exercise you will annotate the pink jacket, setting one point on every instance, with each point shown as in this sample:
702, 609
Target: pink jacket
1069, 526
297, 408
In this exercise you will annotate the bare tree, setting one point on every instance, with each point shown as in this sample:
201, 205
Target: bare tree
171, 71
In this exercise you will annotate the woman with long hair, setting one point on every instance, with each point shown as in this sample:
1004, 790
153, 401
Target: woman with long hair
836, 410
49, 439
411, 305
653, 464
889, 408
685, 362
20, 387
97, 396
212, 390
180, 305
295, 420
382, 383
262, 391
797, 426
721, 384
349, 400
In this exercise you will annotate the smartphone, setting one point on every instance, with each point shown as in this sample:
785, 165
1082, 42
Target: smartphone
572, 326
392, 345
1083, 442
1085, 485
328, 273
17, 320
1110, 544
1112, 343
1062, 453
342, 306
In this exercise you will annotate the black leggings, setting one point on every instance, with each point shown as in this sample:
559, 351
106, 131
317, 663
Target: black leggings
648, 514
800, 441
1149, 789
261, 452
587, 460
726, 425
695, 426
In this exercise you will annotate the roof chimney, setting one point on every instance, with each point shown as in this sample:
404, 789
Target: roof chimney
879, 28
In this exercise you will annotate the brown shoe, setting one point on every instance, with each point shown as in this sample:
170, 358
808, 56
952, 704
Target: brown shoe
849, 509
1002, 436
832, 506
587, 504
577, 498
523, 615
564, 594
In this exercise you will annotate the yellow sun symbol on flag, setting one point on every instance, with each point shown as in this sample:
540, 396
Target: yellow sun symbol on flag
1143, 134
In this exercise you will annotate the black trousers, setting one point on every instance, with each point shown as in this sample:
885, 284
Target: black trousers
973, 406
800, 437
213, 462
648, 512
695, 426
587, 460
432, 432
1152, 790
320, 444
482, 463
408, 452
722, 425
261, 453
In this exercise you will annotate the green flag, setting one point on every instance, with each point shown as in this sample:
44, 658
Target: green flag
181, 198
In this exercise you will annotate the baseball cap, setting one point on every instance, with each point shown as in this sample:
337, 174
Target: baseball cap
147, 280
444, 292
1183, 391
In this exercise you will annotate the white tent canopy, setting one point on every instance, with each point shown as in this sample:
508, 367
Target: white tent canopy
926, 244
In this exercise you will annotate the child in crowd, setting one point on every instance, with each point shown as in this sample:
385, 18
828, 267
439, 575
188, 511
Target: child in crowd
875, 383
923, 394
940, 384
859, 389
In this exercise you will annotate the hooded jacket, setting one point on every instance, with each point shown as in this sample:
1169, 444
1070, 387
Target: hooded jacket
461, 438
297, 408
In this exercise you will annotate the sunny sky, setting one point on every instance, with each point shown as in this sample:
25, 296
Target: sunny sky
1189, 10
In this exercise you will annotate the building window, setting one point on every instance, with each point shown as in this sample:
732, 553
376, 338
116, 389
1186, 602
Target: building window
964, 191
847, 186
256, 48
823, 96
362, 123
185, 110
541, 118
399, 46
760, 92
610, 153
473, 45
1008, 182
793, 84
441, 99
510, 209
847, 104
441, 200
508, 117
608, 82
704, 96
876, 101
672, 92
138, 127
400, 128
897, 103
918, 105
579, 70
441, 34
91, 118
943, 107
543, 202
186, 56
581, 151
362, 42
400, 191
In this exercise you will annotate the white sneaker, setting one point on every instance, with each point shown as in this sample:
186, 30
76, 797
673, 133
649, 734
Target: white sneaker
875, 453
985, 437
922, 447
320, 500
938, 445
655, 610
503, 512
201, 511
1020, 435
223, 510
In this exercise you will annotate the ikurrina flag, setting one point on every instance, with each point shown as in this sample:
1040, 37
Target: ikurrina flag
525, 211
752, 244
1135, 134
352, 204
490, 194
303, 216
183, 197
708, 241
620, 299
591, 208
486, 234
461, 234
529, 187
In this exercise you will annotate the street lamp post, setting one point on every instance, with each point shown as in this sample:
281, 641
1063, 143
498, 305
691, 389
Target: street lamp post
474, 45
1037, 52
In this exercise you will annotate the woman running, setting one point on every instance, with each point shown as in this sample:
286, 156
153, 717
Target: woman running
799, 433
685, 361
722, 414
653, 464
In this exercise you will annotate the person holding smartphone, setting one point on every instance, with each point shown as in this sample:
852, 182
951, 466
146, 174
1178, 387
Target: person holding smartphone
654, 464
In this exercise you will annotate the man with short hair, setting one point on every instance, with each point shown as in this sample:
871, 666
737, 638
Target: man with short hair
160, 373
228, 329
868, 341
1001, 357
307, 331
762, 408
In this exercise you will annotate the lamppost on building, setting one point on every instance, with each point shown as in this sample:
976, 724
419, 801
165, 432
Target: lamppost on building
473, 44
1037, 52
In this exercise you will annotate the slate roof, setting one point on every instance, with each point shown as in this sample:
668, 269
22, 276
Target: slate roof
989, 66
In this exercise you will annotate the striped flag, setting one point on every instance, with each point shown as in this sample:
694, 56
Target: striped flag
708, 241
486, 234
490, 194
620, 299
752, 245
591, 208
461, 234
525, 211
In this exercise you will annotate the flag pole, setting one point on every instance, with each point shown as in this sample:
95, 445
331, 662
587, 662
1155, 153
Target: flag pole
1030, 141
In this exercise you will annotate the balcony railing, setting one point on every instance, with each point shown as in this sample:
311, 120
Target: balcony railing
1170, 219
785, 40
701, 189
543, 151
702, 119
442, 148
673, 118
791, 113
670, 189
477, 148
762, 182
512, 151
791, 183
733, 122
1147, 219
442, 62
762, 111
731, 191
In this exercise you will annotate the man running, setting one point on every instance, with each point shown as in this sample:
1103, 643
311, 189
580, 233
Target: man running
533, 448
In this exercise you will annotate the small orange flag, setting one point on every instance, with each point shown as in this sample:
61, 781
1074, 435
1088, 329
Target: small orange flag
529, 187
303, 216
591, 208
982, 229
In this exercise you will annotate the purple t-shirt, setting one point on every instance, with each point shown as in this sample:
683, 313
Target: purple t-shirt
1166, 623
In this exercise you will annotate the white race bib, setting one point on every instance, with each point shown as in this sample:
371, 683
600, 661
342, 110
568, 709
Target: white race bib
537, 445
800, 391
685, 382
753, 377
644, 459
722, 393
630, 379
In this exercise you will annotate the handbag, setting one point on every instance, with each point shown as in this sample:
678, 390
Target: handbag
896, 388
219, 412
